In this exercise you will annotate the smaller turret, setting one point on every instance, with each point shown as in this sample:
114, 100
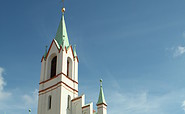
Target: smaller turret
45, 54
74, 51
101, 104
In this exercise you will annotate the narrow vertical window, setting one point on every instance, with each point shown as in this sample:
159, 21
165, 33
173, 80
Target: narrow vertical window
68, 102
67, 67
53, 67
49, 102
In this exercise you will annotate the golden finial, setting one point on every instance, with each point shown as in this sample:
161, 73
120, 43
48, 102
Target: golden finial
63, 9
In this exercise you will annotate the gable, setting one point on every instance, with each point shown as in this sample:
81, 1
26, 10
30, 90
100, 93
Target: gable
54, 48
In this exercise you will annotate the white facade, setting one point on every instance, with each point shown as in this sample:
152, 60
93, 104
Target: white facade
58, 93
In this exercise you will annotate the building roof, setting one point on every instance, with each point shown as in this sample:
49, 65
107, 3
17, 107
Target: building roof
61, 35
61, 38
75, 54
101, 99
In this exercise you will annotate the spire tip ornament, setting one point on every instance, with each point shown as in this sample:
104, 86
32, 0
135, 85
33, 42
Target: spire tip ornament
63, 10
101, 99
29, 111
101, 82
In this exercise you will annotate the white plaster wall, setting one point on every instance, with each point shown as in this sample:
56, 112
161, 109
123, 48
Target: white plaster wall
45, 74
64, 99
64, 60
52, 53
88, 110
39, 106
75, 73
74, 68
77, 105
43, 65
71, 64
59, 63
102, 109
67, 81
59, 95
55, 102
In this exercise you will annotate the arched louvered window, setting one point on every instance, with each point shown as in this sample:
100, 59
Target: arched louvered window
53, 67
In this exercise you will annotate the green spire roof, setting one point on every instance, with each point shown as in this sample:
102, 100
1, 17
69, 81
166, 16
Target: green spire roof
101, 95
61, 35
45, 54
75, 50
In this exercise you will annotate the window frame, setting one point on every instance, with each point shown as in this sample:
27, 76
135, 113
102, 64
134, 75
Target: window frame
49, 102
53, 66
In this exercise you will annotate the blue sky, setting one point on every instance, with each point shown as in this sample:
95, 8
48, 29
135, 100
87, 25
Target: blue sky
136, 46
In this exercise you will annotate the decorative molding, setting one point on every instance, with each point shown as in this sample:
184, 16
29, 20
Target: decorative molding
77, 59
50, 49
70, 78
86, 106
49, 90
102, 107
56, 77
56, 88
61, 49
69, 90
101, 104
42, 58
66, 49
56, 85
76, 98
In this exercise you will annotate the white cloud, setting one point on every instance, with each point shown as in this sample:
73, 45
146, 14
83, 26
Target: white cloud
121, 100
144, 102
180, 50
130, 103
32, 99
14, 101
183, 105
2, 83
20, 103
3, 94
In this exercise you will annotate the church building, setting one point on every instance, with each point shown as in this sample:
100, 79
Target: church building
58, 87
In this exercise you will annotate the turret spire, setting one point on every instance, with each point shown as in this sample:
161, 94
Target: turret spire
75, 54
101, 99
45, 54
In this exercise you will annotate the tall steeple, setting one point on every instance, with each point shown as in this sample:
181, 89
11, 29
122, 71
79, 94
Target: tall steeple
59, 76
101, 99
58, 87
101, 104
61, 35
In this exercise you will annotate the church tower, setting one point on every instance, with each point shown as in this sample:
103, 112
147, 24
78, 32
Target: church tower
59, 74
58, 87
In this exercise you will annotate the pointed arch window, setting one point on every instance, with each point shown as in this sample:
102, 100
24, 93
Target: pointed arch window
53, 67
69, 67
